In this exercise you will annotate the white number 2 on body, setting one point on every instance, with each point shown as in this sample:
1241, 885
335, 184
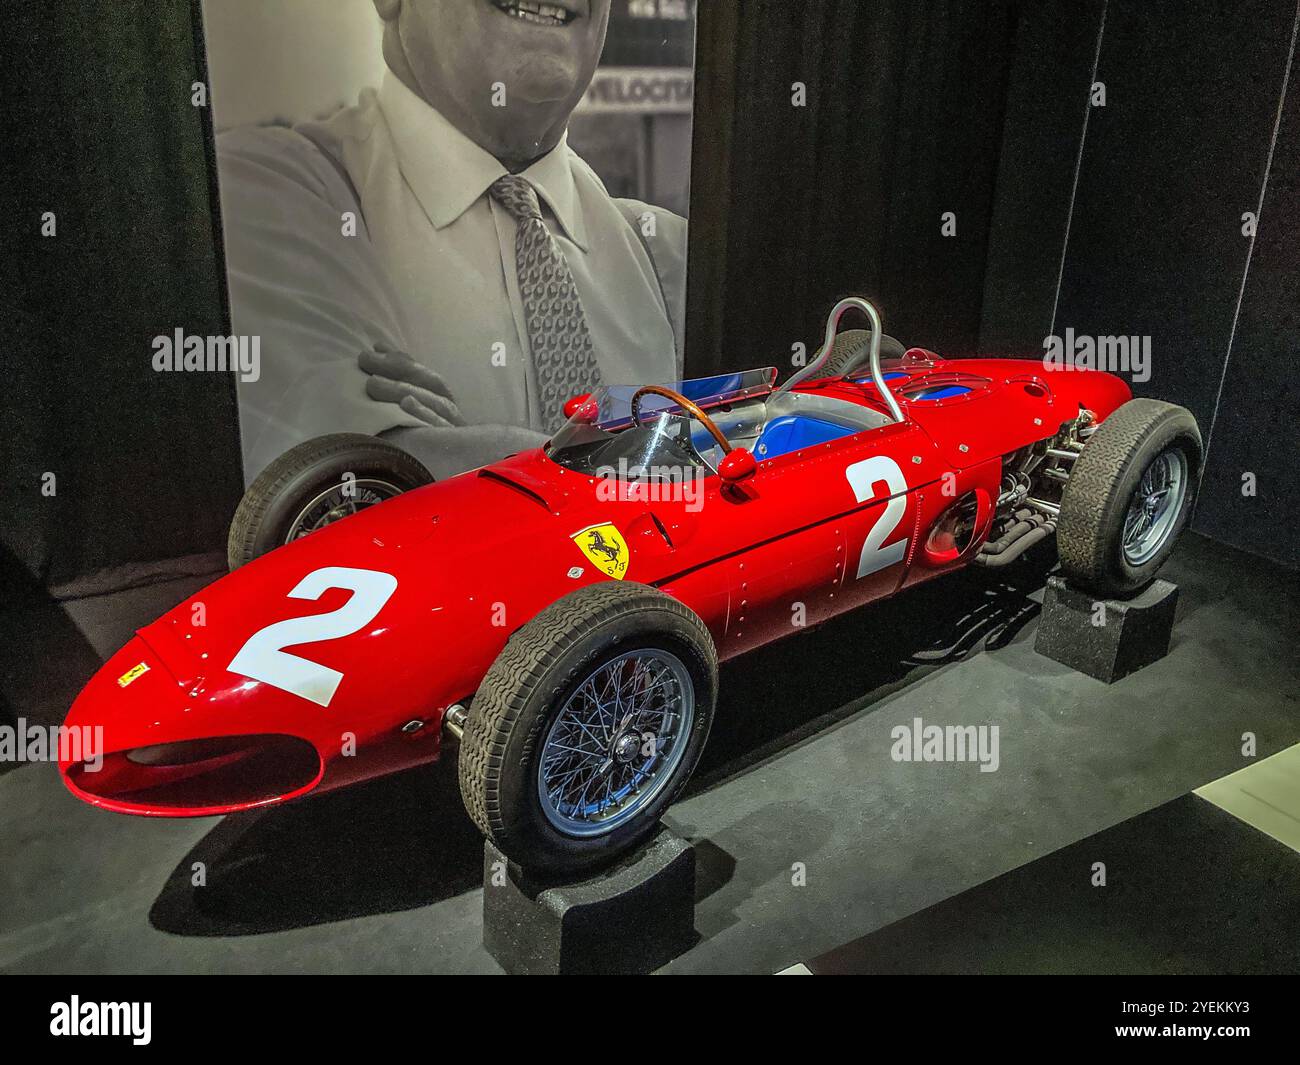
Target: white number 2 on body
862, 479
263, 658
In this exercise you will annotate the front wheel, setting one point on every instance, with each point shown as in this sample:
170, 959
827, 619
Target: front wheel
587, 726
1129, 496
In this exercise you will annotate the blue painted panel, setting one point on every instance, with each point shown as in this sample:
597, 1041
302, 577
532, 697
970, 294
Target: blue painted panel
794, 431
939, 392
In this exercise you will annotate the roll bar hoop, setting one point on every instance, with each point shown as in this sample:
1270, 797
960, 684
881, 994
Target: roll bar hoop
832, 328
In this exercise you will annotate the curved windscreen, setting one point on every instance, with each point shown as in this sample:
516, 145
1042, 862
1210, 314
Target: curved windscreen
601, 432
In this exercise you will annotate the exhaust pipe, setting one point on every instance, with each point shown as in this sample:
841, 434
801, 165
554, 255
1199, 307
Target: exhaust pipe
1026, 520
1015, 550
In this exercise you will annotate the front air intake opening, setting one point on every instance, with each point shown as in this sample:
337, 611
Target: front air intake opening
224, 772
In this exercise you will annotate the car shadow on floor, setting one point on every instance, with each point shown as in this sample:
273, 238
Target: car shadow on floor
35, 627
405, 841
781, 694
387, 845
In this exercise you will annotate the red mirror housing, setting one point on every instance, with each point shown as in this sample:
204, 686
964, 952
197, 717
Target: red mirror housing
738, 464
576, 403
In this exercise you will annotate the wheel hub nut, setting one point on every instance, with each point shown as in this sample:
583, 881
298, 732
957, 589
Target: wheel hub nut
626, 747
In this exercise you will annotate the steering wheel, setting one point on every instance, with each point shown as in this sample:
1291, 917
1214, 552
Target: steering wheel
687, 405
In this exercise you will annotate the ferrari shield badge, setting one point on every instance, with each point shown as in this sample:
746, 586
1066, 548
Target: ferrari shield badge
605, 549
136, 670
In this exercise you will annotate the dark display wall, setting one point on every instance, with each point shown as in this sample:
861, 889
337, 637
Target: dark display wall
912, 109
1130, 228
99, 129
795, 205
1256, 428
1156, 245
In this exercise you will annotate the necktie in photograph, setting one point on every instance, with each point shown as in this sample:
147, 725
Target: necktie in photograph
557, 329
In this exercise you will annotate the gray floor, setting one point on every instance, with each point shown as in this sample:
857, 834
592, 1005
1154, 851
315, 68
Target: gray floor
809, 835
1175, 900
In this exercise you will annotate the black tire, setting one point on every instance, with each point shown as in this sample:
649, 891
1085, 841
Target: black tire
274, 500
852, 348
541, 666
1102, 484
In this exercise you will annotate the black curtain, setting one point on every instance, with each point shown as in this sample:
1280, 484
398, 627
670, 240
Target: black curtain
99, 129
1169, 165
795, 206
1251, 489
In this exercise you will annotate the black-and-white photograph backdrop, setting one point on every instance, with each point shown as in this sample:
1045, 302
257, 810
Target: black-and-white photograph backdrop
379, 163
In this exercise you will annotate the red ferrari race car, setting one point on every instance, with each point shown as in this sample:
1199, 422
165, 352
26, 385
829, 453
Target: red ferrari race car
562, 613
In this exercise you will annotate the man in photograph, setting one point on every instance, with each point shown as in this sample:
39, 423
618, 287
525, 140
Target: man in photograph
435, 264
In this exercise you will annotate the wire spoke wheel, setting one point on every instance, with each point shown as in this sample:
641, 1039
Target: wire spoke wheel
587, 726
339, 501
1155, 506
616, 742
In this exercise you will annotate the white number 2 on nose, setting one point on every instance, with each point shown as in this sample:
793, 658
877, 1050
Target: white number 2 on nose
263, 658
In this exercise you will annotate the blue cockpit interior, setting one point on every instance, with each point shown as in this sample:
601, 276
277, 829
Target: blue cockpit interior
786, 422
939, 392
790, 432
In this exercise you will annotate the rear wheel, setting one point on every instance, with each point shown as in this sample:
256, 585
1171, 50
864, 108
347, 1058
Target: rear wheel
1129, 496
315, 484
587, 726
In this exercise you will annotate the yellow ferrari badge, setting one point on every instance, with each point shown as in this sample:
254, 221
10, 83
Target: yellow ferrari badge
137, 670
605, 549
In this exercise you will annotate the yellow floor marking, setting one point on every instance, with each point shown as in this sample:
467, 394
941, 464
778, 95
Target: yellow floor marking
1266, 795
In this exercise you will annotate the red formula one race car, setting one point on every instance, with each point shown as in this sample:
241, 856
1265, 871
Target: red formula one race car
562, 612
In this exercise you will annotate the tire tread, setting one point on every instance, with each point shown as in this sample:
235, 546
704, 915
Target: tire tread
524, 664
1096, 480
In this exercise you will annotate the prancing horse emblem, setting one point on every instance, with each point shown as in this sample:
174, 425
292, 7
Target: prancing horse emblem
597, 544
605, 548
